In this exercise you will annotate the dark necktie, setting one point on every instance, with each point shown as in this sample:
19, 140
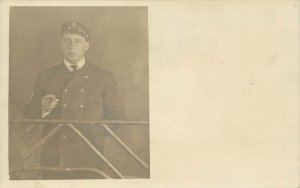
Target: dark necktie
75, 68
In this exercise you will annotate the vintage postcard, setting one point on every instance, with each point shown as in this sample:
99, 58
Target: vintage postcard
149, 94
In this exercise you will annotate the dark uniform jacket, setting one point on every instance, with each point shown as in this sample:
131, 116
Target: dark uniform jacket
89, 94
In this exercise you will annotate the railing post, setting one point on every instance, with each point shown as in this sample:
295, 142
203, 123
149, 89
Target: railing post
96, 151
123, 145
37, 146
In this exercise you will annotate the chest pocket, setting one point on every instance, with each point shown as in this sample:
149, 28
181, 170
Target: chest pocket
94, 98
95, 89
95, 95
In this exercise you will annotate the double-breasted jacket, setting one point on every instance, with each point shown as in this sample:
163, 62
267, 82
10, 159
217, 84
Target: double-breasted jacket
89, 94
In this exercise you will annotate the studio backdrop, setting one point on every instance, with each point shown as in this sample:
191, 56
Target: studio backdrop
118, 43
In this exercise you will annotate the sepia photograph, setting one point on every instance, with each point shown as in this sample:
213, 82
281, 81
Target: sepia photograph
78, 93
149, 94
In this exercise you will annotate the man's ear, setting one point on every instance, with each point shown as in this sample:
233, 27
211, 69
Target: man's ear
87, 45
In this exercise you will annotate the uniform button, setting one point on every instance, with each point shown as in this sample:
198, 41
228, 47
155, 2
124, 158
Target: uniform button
82, 90
64, 136
81, 106
65, 105
66, 90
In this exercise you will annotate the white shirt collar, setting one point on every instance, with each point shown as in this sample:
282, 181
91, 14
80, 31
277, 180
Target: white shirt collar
79, 64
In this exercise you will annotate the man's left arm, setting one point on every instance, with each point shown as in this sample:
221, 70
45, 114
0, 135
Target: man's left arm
113, 103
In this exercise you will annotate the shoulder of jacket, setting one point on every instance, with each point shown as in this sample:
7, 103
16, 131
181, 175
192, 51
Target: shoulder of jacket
99, 71
51, 70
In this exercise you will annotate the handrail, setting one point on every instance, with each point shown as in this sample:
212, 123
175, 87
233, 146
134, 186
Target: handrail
82, 122
58, 123
44, 168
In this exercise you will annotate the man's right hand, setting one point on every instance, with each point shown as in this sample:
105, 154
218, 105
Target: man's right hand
48, 103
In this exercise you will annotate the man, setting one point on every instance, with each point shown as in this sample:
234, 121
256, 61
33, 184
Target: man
74, 89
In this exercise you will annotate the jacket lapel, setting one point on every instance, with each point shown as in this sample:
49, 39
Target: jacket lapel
57, 79
78, 77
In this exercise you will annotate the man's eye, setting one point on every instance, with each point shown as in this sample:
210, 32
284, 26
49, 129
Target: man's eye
78, 41
67, 41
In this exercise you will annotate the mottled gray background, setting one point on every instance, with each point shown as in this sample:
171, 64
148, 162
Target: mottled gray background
119, 43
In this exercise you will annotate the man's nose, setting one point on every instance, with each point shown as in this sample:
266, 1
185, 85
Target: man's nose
72, 45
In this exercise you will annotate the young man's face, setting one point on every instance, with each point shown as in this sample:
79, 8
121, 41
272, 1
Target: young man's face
73, 47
